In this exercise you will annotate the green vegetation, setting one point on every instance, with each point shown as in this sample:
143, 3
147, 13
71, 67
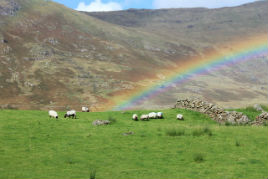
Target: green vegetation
249, 111
34, 146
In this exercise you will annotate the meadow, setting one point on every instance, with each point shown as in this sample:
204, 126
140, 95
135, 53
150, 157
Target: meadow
34, 146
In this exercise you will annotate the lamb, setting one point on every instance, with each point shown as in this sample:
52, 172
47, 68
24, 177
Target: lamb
152, 115
53, 114
180, 117
85, 109
144, 117
135, 117
71, 113
159, 115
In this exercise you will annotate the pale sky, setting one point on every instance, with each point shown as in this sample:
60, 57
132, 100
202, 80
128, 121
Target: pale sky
112, 5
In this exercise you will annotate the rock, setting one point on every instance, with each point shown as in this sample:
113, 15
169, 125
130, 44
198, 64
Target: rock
100, 122
258, 107
9, 8
128, 133
180, 117
243, 120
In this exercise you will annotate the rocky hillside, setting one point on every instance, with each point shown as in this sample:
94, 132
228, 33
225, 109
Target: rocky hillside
54, 56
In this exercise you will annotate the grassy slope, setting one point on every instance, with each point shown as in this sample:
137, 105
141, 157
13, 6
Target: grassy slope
33, 146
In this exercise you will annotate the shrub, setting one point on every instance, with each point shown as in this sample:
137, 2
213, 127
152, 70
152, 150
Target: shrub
93, 174
199, 158
175, 132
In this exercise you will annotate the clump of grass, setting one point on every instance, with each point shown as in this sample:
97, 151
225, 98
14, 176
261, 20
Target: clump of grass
199, 158
175, 132
92, 174
197, 132
202, 131
237, 143
111, 119
227, 123
207, 131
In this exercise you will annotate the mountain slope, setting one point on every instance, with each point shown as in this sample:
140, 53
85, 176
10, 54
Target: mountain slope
55, 56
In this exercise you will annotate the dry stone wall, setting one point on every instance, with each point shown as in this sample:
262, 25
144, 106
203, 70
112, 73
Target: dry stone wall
216, 113
262, 119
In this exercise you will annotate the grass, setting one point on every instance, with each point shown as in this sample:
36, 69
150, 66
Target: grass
34, 146
250, 112
199, 158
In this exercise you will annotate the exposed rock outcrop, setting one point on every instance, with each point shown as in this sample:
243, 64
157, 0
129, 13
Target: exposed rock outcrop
216, 113
9, 8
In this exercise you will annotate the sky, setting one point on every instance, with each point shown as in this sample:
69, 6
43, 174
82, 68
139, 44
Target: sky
113, 5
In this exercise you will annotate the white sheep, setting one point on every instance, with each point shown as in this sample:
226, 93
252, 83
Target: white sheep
152, 115
179, 116
71, 113
160, 115
85, 109
144, 117
135, 117
53, 114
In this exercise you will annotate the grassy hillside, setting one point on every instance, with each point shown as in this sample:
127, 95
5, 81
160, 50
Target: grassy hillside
55, 56
34, 146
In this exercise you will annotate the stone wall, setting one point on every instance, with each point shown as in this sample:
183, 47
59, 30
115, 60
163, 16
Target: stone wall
262, 119
216, 113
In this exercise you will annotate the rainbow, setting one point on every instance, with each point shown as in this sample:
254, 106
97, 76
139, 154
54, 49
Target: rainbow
240, 52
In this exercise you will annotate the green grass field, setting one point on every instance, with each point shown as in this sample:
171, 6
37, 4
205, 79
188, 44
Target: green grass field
34, 146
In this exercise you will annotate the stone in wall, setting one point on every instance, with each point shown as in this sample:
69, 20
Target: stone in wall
216, 113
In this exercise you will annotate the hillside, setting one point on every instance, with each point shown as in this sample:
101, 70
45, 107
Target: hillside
55, 56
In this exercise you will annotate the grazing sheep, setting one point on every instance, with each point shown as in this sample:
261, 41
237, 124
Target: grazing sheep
160, 115
53, 114
180, 117
71, 113
135, 117
85, 109
152, 115
144, 117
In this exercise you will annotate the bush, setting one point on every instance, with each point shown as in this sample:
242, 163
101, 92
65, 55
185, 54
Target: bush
93, 174
199, 158
175, 132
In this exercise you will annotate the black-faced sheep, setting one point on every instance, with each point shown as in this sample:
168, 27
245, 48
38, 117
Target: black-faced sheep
85, 109
144, 117
53, 114
160, 115
135, 117
180, 117
71, 113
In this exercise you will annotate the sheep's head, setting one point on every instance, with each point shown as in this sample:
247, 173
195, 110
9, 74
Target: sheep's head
65, 115
57, 117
